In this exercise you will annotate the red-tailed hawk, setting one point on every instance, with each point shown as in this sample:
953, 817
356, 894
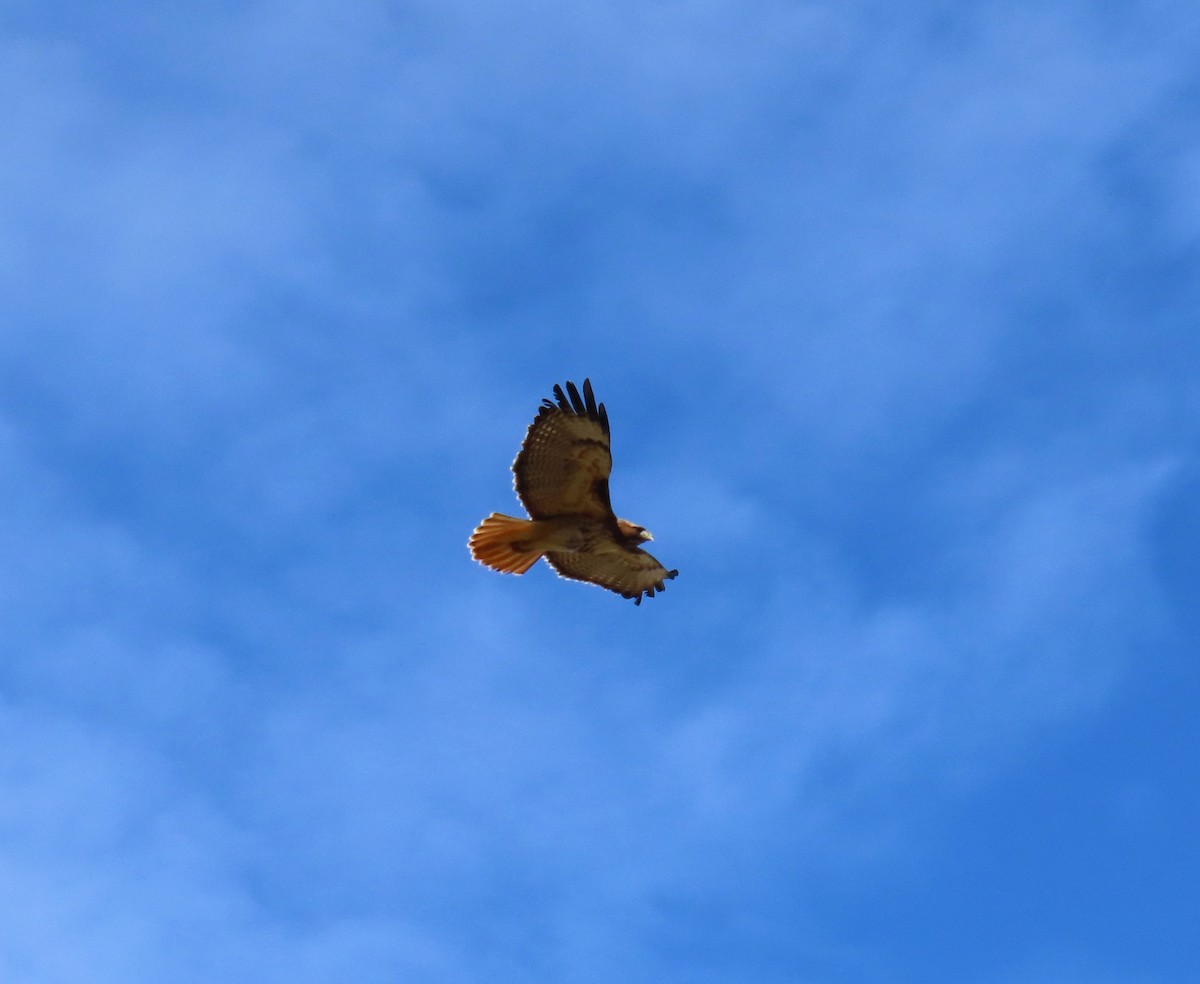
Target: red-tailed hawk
562, 474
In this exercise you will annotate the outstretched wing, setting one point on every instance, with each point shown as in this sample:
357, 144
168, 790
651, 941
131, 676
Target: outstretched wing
564, 463
631, 572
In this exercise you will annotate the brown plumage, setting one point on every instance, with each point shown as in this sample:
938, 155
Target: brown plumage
562, 474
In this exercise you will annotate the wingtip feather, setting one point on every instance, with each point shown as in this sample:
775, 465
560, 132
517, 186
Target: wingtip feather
577, 403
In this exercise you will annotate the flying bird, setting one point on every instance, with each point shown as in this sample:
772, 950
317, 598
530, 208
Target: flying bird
561, 479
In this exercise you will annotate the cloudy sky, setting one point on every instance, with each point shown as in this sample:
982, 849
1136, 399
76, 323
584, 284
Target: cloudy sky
895, 312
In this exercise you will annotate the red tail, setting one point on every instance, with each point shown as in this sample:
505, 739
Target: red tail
497, 543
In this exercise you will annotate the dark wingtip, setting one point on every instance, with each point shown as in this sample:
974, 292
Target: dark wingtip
570, 400
593, 409
577, 403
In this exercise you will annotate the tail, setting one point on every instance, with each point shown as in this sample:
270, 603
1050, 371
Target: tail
497, 544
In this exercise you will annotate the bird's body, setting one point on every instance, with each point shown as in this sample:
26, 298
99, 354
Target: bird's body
561, 476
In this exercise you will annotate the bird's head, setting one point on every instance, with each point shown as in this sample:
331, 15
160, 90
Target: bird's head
631, 531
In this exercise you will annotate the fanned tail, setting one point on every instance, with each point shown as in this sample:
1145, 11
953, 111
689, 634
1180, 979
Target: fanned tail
497, 543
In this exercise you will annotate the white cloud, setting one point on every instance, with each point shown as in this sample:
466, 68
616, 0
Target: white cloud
256, 691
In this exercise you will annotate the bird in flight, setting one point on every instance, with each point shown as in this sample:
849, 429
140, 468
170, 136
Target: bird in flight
561, 479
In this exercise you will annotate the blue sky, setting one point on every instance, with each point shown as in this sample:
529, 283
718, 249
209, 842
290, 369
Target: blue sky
894, 310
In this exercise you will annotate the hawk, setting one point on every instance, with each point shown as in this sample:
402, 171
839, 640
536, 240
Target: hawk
561, 479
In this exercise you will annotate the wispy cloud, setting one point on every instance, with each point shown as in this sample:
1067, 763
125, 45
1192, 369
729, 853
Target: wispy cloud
892, 312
